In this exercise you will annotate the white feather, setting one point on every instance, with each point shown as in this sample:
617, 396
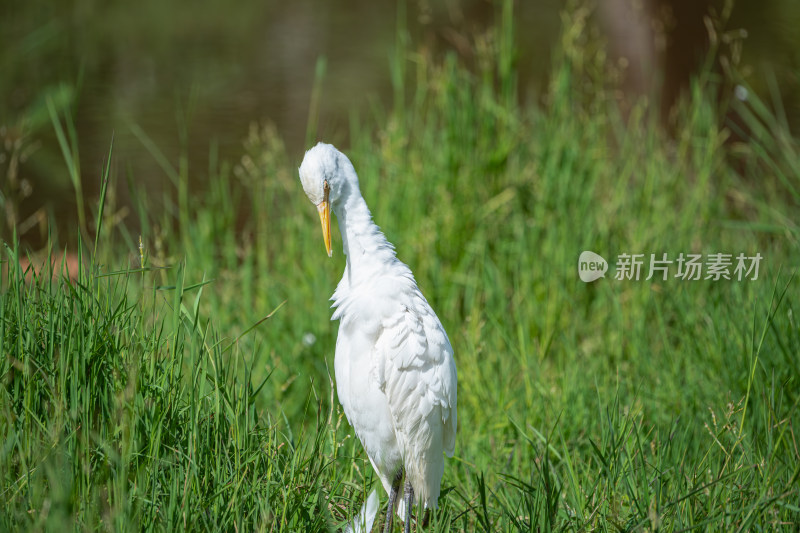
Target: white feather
362, 523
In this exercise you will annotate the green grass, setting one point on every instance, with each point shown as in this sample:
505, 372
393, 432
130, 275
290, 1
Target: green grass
152, 392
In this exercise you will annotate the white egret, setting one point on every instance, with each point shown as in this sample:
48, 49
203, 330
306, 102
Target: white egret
394, 367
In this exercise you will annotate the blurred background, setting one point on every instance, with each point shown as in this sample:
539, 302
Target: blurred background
191, 78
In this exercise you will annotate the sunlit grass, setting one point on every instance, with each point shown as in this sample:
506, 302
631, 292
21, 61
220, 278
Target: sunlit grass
161, 398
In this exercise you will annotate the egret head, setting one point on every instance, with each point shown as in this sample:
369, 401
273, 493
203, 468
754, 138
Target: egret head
326, 174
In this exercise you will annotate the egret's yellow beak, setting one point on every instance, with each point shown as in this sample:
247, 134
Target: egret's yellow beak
324, 209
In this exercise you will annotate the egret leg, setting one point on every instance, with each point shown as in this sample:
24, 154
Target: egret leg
409, 497
387, 527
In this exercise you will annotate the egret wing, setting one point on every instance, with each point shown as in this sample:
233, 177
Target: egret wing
414, 366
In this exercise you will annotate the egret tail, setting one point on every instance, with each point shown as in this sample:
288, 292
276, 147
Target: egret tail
362, 522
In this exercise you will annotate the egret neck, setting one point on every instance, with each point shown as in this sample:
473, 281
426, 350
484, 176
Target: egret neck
364, 245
